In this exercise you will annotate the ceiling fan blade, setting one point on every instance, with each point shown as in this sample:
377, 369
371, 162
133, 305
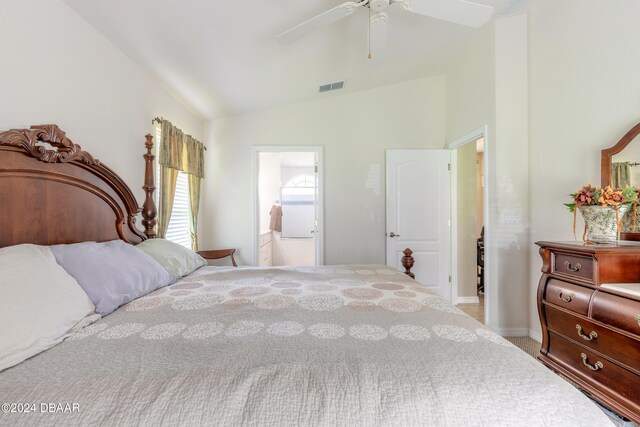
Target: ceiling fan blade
322, 20
457, 11
378, 37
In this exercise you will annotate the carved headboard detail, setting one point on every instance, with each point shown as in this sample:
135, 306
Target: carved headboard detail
29, 141
58, 193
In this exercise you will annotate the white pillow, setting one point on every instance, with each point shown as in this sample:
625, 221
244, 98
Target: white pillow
40, 304
176, 259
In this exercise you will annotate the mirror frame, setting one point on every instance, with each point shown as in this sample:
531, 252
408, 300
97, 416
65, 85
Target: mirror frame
608, 153
605, 167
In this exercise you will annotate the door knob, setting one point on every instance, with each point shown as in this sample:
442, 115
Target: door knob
392, 234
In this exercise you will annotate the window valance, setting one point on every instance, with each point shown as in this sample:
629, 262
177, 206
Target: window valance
181, 151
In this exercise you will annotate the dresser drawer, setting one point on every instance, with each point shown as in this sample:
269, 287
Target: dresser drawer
575, 266
616, 346
568, 295
264, 238
265, 255
594, 369
623, 313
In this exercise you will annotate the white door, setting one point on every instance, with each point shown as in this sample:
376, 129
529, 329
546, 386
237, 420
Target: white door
418, 215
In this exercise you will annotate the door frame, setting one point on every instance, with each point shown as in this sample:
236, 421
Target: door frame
481, 132
319, 207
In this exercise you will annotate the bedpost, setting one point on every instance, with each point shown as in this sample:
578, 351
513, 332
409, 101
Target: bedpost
149, 210
407, 262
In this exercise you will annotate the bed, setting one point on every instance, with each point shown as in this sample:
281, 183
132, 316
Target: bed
325, 345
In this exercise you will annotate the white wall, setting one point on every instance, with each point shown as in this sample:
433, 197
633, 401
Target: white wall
58, 69
487, 85
355, 130
584, 95
470, 88
510, 219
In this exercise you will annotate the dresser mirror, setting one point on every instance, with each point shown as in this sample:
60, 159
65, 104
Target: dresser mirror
620, 166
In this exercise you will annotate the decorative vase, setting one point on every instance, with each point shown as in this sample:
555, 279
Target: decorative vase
602, 223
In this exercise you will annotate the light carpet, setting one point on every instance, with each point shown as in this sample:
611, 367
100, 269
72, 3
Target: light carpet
526, 344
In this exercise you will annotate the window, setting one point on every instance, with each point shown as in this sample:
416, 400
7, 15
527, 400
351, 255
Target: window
298, 207
178, 230
304, 180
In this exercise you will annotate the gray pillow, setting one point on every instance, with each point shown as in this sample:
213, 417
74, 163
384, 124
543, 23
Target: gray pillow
176, 259
111, 273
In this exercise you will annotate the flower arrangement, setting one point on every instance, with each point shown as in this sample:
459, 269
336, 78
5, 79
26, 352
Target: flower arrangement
604, 197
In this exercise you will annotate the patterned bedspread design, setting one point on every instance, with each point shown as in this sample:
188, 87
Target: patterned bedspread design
335, 345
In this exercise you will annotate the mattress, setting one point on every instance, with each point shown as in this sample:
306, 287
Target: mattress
334, 345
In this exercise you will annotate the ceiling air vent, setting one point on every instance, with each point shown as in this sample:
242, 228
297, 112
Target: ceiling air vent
331, 86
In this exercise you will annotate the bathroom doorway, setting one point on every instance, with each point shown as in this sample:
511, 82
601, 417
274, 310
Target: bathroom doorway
472, 239
288, 201
470, 228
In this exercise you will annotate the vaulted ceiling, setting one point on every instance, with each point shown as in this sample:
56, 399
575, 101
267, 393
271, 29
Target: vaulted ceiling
221, 58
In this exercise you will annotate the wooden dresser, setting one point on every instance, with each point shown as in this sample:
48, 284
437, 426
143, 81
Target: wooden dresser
591, 334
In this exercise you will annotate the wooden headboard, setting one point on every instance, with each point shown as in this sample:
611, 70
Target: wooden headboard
52, 192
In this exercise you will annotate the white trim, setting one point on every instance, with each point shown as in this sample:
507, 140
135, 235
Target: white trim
319, 151
467, 300
536, 335
453, 181
510, 332
481, 132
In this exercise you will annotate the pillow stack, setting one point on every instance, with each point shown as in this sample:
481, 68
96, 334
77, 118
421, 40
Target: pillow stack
40, 303
47, 293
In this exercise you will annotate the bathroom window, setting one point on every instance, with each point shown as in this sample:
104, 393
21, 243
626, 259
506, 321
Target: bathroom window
304, 180
298, 207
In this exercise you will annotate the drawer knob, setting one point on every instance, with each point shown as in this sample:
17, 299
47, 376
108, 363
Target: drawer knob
638, 319
576, 268
595, 367
592, 335
567, 298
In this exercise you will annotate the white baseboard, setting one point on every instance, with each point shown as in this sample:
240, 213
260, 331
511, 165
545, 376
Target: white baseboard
517, 332
511, 332
535, 335
467, 300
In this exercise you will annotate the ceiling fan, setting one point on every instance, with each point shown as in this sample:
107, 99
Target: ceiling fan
457, 11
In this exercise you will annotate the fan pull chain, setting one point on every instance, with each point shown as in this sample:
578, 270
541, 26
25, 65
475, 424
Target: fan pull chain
369, 34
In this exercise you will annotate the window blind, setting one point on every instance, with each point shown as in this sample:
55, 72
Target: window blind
178, 230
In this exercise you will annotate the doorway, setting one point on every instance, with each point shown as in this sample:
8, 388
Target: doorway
469, 225
288, 206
